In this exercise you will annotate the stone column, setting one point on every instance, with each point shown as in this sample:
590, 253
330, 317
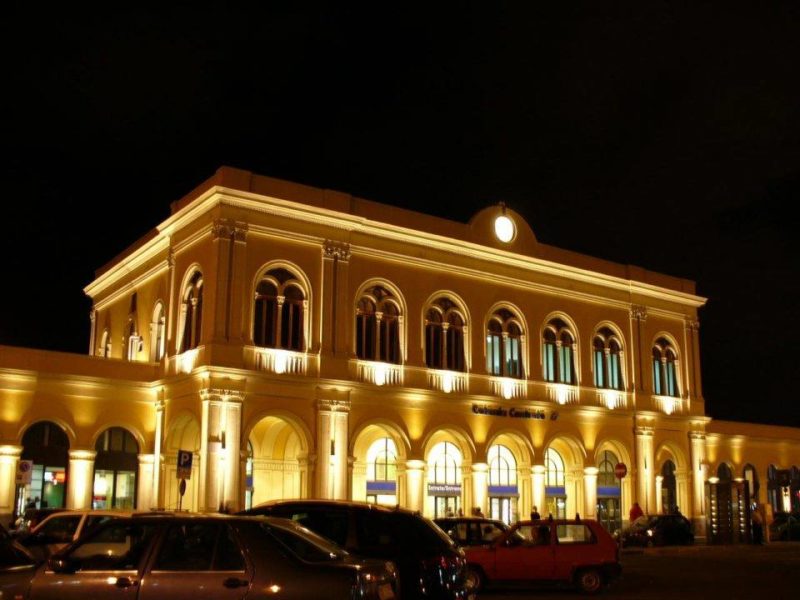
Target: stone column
590, 492
525, 502
415, 483
697, 440
9, 459
332, 448
216, 295
336, 256
645, 458
81, 478
638, 317
480, 486
538, 480
219, 449
144, 483
659, 500
155, 494
241, 296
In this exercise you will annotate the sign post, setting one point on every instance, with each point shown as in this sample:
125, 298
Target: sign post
620, 471
183, 473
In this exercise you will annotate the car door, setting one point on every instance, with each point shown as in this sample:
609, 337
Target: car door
53, 534
575, 546
525, 554
197, 559
106, 565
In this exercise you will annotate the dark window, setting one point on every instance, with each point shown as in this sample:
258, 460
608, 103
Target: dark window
193, 312
329, 523
115, 546
378, 327
188, 547
375, 534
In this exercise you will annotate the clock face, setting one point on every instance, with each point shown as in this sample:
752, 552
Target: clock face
504, 229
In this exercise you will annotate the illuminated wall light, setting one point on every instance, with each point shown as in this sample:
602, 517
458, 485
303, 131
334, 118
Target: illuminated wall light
447, 383
610, 399
188, 359
713, 480
380, 374
508, 389
280, 361
504, 228
669, 405
561, 394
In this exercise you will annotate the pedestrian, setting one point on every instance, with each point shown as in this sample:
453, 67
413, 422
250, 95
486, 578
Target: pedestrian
636, 512
535, 516
478, 512
757, 522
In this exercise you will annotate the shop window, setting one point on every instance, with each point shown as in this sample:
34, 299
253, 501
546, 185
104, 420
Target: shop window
192, 312
280, 312
665, 374
504, 337
606, 350
444, 336
378, 330
47, 445
116, 465
558, 353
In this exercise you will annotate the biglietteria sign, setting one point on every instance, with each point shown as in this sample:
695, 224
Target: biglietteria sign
514, 413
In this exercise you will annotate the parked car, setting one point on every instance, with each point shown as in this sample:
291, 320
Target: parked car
32, 517
181, 557
61, 528
658, 530
429, 563
581, 553
785, 527
471, 531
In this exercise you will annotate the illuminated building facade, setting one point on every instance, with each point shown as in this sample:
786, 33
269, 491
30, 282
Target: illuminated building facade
300, 342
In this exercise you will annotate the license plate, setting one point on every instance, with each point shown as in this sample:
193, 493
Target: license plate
385, 591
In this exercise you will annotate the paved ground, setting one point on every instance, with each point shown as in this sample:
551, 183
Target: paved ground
729, 572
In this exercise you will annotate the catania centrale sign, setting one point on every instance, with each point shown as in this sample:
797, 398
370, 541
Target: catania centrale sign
514, 413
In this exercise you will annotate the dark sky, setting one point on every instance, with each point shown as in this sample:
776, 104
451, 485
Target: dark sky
665, 135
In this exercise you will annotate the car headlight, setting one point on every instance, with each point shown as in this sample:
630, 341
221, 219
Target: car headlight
650, 532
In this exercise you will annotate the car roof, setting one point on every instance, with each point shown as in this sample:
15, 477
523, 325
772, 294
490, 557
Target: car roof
558, 522
340, 503
465, 519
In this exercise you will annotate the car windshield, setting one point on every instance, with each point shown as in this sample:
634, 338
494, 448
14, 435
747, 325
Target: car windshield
305, 544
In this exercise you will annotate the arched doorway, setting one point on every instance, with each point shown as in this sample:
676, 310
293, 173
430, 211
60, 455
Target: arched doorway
379, 453
444, 479
279, 469
47, 445
115, 467
669, 488
503, 490
555, 493
184, 434
609, 510
382, 472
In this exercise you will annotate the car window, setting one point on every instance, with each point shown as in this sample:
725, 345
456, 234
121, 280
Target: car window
375, 533
534, 535
93, 521
60, 529
115, 546
188, 547
458, 531
12, 556
489, 532
574, 534
331, 523
228, 556
305, 544
420, 535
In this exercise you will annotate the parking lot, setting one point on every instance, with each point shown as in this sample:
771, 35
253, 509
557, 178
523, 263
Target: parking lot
699, 571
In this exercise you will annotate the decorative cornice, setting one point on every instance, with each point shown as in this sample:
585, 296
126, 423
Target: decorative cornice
697, 435
639, 312
692, 324
644, 431
333, 405
334, 249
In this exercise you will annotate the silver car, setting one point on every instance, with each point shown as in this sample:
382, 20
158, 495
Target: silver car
177, 557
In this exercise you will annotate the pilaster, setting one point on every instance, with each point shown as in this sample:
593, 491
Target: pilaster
81, 478
332, 448
9, 459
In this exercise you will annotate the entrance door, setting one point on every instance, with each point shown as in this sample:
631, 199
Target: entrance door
556, 506
501, 508
445, 506
608, 513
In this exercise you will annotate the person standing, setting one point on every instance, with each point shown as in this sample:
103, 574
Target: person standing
757, 522
535, 516
636, 512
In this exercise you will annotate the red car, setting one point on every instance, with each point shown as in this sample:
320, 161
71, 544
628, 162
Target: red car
581, 553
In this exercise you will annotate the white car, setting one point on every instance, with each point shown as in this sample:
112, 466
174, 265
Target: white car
62, 528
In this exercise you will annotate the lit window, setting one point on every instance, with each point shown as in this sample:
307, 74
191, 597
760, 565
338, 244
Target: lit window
504, 339
279, 316
378, 326
606, 350
558, 353
555, 468
157, 333
665, 374
192, 312
444, 336
502, 466
444, 464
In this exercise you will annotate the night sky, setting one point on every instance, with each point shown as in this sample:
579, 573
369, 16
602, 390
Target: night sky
653, 134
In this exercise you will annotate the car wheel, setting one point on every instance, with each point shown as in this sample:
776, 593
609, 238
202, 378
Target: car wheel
589, 581
474, 579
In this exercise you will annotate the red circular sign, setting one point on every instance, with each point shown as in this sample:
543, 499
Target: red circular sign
620, 470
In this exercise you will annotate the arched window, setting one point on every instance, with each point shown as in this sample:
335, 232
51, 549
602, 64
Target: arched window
444, 336
104, 349
382, 460
280, 306
751, 477
606, 349
133, 341
608, 492
192, 308
724, 472
115, 469
502, 466
558, 352
444, 464
47, 445
378, 321
669, 490
665, 374
504, 337
605, 470
158, 333
555, 468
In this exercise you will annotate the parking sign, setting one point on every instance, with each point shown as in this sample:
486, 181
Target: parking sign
184, 464
24, 472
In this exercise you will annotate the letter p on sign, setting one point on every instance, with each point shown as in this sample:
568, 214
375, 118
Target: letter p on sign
184, 464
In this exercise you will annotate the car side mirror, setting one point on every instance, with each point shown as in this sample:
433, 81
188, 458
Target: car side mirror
62, 564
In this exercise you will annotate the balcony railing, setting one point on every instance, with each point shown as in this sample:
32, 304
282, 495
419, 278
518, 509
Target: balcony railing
563, 393
379, 373
668, 404
508, 388
276, 360
447, 381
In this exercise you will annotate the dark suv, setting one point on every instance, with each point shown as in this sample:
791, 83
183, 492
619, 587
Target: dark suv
430, 565
659, 530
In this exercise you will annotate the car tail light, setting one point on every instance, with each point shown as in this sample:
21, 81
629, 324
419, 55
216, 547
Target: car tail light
376, 584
